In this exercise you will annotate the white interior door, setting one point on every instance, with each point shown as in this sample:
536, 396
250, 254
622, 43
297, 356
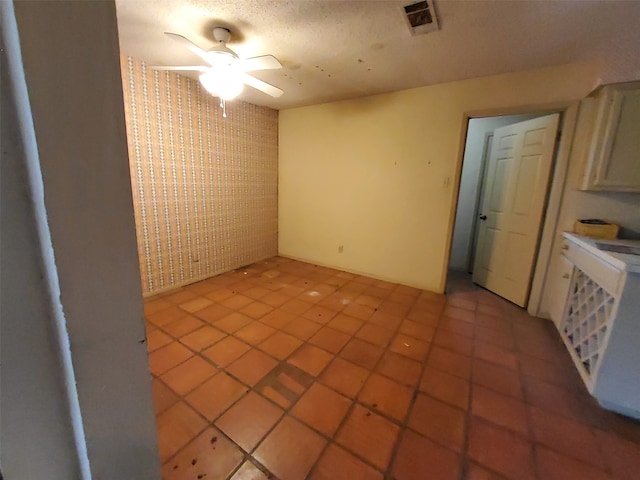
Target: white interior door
511, 211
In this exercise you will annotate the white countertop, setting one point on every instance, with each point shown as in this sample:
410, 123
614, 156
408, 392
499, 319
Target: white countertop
622, 261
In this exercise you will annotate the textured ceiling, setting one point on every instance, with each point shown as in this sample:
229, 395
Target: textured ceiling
333, 50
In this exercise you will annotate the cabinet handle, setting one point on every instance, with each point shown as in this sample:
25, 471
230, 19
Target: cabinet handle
566, 275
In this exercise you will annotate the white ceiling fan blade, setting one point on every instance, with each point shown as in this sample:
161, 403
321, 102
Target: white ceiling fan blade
262, 86
184, 68
188, 44
264, 62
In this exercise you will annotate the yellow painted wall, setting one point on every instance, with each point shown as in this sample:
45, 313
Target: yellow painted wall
371, 174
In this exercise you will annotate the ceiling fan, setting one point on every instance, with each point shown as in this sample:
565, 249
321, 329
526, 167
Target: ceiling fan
226, 73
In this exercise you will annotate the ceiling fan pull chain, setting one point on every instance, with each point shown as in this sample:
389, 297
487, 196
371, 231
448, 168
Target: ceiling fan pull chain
223, 105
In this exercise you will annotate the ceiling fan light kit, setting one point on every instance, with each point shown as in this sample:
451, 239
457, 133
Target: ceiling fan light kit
226, 85
226, 75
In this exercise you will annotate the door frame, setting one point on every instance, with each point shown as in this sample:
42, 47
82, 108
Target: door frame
556, 187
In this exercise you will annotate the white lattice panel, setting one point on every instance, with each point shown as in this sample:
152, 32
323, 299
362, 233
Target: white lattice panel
587, 320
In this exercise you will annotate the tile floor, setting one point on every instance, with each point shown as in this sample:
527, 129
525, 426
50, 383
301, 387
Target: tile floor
292, 371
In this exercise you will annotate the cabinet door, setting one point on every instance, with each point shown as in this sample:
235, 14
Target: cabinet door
616, 149
560, 290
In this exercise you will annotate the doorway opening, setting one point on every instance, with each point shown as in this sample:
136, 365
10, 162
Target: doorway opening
506, 175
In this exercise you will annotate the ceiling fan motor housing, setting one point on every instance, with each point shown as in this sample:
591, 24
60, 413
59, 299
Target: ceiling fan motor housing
221, 34
223, 55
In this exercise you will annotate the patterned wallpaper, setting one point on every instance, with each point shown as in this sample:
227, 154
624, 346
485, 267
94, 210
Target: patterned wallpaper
204, 187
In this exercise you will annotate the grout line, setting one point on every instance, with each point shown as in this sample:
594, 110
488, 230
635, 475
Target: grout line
465, 457
416, 392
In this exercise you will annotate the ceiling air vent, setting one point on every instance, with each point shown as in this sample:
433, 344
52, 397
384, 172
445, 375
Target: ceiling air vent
421, 17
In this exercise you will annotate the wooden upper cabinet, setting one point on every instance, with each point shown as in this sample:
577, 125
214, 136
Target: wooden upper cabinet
610, 130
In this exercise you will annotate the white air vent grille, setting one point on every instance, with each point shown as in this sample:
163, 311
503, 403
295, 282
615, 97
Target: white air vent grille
421, 17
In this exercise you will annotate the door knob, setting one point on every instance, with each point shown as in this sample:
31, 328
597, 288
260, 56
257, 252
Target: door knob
483, 217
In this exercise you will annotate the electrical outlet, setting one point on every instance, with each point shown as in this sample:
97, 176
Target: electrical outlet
340, 248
